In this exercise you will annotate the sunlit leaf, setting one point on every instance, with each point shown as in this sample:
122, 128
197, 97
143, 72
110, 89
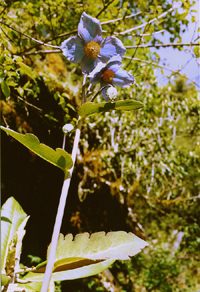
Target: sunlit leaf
117, 245
90, 108
58, 157
4, 279
5, 88
78, 273
88, 255
14, 212
27, 70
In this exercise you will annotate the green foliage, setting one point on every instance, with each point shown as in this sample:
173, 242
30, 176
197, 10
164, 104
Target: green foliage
58, 157
89, 108
86, 256
15, 214
153, 167
156, 271
149, 159
4, 280
113, 245
81, 272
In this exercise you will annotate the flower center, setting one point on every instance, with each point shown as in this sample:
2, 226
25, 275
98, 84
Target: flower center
92, 50
108, 75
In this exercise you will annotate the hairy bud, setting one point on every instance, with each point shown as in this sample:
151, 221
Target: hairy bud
111, 93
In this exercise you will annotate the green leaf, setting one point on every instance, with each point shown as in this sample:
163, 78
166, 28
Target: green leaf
89, 255
78, 273
5, 88
4, 279
31, 287
118, 245
90, 108
196, 50
14, 212
58, 157
27, 70
183, 15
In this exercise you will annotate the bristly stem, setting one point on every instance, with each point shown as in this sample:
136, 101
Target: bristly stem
62, 203
64, 140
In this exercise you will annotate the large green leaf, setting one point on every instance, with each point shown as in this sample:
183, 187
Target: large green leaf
14, 212
89, 255
78, 273
118, 245
58, 157
90, 108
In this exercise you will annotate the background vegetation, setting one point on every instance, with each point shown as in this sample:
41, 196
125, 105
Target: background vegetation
136, 171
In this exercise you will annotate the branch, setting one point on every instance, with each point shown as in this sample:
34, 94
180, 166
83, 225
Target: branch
163, 45
102, 23
43, 52
37, 108
29, 37
104, 8
163, 67
149, 22
147, 34
127, 47
121, 18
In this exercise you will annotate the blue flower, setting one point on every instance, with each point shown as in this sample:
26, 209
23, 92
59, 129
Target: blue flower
112, 74
89, 47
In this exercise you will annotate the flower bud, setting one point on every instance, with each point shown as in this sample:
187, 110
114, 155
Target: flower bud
111, 93
67, 128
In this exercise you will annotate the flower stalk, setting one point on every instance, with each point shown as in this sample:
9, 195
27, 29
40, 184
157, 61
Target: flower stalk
62, 203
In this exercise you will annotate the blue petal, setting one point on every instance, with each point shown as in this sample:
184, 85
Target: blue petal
97, 69
111, 46
89, 29
88, 64
122, 78
73, 49
96, 78
114, 63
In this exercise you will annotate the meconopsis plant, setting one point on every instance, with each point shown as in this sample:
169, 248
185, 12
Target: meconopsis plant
85, 255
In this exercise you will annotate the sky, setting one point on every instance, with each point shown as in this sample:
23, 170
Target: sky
175, 59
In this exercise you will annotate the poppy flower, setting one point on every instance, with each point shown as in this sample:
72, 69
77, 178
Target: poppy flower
89, 47
112, 74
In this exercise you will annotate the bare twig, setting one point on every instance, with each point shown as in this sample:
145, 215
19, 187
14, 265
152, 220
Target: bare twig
8, 37
128, 47
147, 34
37, 108
29, 37
42, 52
102, 23
104, 8
149, 22
133, 55
163, 45
160, 66
121, 18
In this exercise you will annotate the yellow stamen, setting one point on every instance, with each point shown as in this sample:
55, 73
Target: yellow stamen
92, 50
108, 75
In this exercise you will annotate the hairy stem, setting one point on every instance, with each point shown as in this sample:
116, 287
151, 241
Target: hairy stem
59, 216
61, 206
